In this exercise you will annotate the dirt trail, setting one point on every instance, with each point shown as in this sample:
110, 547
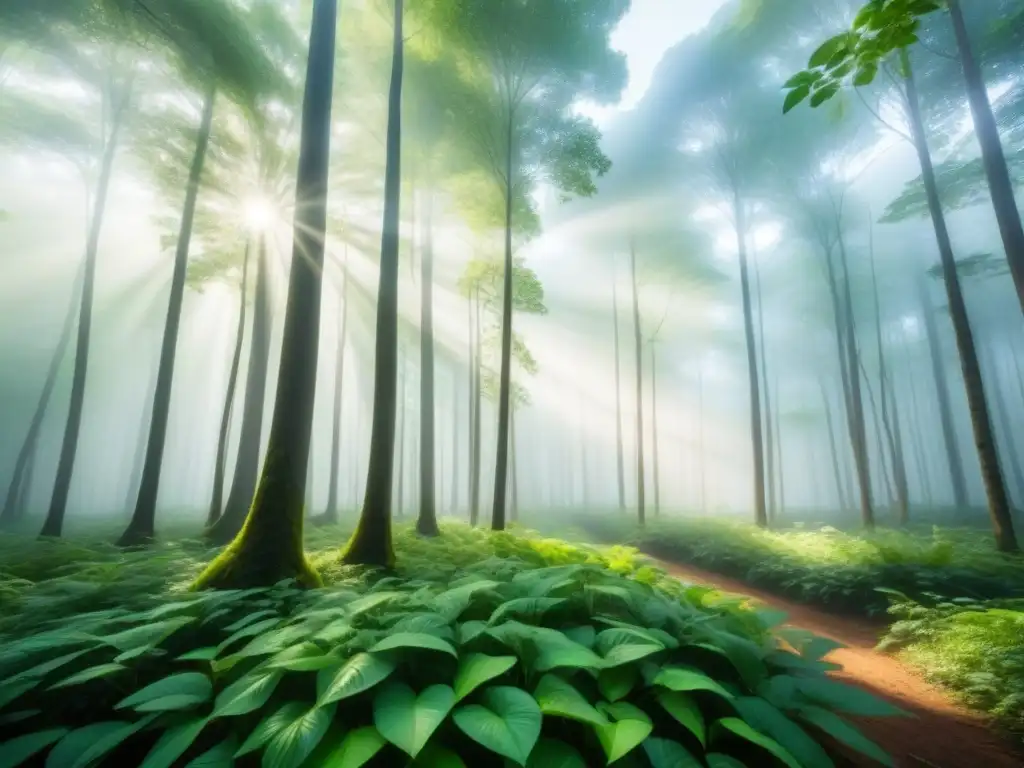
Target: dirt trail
941, 735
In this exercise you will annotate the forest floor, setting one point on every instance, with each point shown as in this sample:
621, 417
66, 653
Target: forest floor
940, 735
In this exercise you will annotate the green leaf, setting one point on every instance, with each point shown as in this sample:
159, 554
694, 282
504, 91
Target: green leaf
217, 756
817, 648
680, 678
92, 673
89, 743
685, 710
550, 753
180, 691
246, 694
845, 733
407, 720
740, 729
771, 721
828, 49
585, 635
148, 635
434, 756
259, 628
631, 727
414, 640
664, 753
558, 697
476, 669
846, 698
621, 646
507, 722
718, 760
795, 96
823, 94
356, 749
616, 683
470, 630
527, 608
173, 743
358, 674
292, 744
11, 691
18, 750
41, 670
270, 726
209, 653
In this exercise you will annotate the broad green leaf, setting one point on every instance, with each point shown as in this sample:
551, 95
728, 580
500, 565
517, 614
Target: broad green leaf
148, 635
740, 729
470, 630
844, 732
179, 691
208, 653
846, 698
407, 720
246, 694
507, 722
217, 756
92, 673
11, 691
827, 50
356, 749
550, 753
558, 697
434, 756
251, 630
304, 657
617, 682
527, 608
173, 743
270, 726
454, 601
679, 678
718, 760
90, 743
476, 669
358, 674
685, 710
19, 749
631, 727
291, 745
795, 96
372, 601
769, 720
250, 618
817, 648
664, 753
413, 640
41, 670
585, 635
9, 718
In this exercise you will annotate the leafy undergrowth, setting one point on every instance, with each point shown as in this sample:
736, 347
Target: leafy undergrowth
827, 567
972, 647
483, 649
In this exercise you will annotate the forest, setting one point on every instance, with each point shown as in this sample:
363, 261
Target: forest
539, 383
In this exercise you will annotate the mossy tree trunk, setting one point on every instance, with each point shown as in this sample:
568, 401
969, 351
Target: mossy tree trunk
331, 514
371, 542
426, 521
220, 462
142, 527
269, 547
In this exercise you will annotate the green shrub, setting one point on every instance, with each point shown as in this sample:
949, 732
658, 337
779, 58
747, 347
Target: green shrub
507, 657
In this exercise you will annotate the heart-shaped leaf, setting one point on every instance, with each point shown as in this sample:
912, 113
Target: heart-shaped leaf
246, 694
180, 691
664, 753
631, 727
291, 745
507, 722
684, 709
680, 678
617, 682
173, 743
557, 697
356, 749
407, 720
270, 726
739, 728
414, 640
550, 753
476, 669
358, 674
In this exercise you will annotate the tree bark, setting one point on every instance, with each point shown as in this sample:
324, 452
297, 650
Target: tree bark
454, 500
769, 444
700, 431
917, 442
471, 403
1003, 416
641, 517
620, 466
474, 509
514, 477
399, 506
426, 522
220, 463
331, 514
984, 440
250, 438
992, 155
54, 522
841, 490
142, 527
654, 433
139, 454
779, 467
269, 548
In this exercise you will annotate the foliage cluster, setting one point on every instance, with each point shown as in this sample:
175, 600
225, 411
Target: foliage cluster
833, 569
485, 646
972, 647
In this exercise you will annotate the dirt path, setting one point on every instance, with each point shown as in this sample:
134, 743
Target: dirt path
941, 735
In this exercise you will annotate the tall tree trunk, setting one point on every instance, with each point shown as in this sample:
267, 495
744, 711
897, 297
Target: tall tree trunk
878, 429
1003, 416
269, 549
654, 433
250, 438
514, 477
899, 456
426, 522
142, 526
474, 508
471, 408
620, 465
54, 523
639, 389
399, 505
756, 438
769, 444
841, 490
331, 514
779, 467
700, 434
454, 500
984, 439
139, 454
220, 463
917, 442
17, 490
993, 158
505, 379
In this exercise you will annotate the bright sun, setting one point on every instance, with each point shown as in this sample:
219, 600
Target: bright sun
258, 212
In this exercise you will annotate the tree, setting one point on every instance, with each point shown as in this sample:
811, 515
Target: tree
269, 546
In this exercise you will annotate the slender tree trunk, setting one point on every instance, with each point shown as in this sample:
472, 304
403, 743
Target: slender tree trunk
505, 382
269, 549
471, 408
917, 442
984, 440
700, 431
220, 463
54, 523
833, 448
993, 158
514, 478
142, 438
756, 438
250, 438
454, 500
426, 522
779, 467
17, 490
399, 506
582, 436
620, 465
769, 445
878, 429
899, 456
142, 527
639, 390
331, 515
474, 510
1003, 415
654, 433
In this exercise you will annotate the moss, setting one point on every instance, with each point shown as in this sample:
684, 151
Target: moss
371, 544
